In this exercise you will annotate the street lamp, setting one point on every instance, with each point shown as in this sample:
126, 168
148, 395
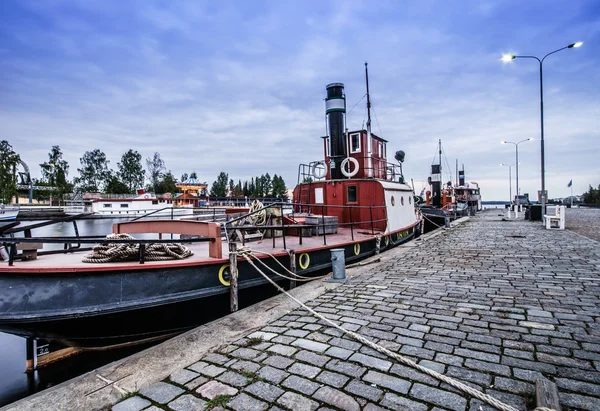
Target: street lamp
509, 180
517, 162
507, 58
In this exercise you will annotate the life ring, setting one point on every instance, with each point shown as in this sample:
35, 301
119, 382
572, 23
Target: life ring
222, 278
146, 195
322, 170
386, 241
304, 261
356, 249
346, 161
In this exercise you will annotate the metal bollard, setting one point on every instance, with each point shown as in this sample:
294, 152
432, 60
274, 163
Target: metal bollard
446, 222
338, 266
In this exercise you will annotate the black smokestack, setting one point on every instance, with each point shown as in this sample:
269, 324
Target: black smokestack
335, 110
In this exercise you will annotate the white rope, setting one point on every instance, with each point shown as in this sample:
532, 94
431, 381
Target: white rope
295, 277
258, 217
456, 384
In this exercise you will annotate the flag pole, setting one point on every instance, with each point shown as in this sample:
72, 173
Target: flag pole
571, 193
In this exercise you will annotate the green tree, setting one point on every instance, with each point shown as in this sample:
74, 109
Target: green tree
592, 196
131, 173
55, 172
167, 184
9, 161
114, 185
93, 173
279, 188
219, 187
194, 175
155, 166
184, 177
267, 185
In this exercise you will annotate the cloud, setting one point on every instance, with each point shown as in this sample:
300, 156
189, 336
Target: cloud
239, 87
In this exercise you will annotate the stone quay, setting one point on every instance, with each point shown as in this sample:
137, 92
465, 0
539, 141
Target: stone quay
492, 302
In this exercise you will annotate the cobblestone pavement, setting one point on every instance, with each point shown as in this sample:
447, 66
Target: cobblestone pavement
585, 221
493, 303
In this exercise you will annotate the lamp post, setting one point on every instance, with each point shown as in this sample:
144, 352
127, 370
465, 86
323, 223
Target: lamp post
509, 181
507, 58
517, 162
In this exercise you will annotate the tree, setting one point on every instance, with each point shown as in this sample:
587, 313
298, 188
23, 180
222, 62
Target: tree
167, 184
279, 188
219, 187
131, 173
592, 196
93, 173
194, 175
155, 166
267, 185
9, 161
55, 172
114, 185
184, 177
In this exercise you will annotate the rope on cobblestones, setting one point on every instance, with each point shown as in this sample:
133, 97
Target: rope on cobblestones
456, 384
115, 252
247, 251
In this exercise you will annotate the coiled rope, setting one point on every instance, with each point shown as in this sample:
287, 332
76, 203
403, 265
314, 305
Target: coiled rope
117, 252
247, 253
256, 217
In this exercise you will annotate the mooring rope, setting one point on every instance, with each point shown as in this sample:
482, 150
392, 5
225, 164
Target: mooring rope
296, 277
245, 252
118, 252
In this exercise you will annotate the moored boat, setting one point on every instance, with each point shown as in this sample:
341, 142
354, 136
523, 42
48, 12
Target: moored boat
352, 199
8, 213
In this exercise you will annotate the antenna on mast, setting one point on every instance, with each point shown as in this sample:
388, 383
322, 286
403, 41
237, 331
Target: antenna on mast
368, 99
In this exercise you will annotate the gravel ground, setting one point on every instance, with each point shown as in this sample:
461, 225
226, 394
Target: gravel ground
584, 221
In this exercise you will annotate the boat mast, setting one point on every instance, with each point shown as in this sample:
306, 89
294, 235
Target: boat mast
369, 142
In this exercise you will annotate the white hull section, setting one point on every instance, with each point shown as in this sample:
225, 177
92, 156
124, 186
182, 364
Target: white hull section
8, 214
401, 211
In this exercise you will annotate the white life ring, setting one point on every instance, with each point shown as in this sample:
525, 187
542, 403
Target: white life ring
346, 161
146, 195
319, 172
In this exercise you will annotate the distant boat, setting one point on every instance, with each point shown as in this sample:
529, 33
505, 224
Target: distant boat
8, 213
137, 206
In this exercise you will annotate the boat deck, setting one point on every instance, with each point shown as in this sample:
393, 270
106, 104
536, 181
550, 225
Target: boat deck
73, 261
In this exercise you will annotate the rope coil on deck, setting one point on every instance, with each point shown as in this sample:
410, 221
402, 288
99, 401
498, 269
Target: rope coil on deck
119, 252
246, 253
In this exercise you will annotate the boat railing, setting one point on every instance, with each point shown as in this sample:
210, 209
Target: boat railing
201, 232
374, 224
379, 168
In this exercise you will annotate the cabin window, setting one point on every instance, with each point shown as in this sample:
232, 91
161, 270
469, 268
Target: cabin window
107, 205
355, 143
409, 200
154, 202
393, 201
352, 194
380, 149
402, 200
319, 195
124, 205
327, 146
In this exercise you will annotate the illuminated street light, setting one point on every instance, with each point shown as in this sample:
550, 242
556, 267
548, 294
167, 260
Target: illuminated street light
507, 58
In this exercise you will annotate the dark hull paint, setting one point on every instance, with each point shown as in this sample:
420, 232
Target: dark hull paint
100, 309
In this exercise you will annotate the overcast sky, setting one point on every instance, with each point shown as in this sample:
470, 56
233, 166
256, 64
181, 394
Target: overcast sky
239, 86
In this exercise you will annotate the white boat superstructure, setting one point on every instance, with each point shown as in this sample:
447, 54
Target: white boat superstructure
137, 206
8, 213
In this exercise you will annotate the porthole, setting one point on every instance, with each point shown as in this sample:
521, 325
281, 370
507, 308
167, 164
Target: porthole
393, 201
402, 200
409, 200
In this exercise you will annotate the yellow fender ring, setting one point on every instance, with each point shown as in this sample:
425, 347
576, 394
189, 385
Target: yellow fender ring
386, 241
356, 249
304, 261
221, 272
